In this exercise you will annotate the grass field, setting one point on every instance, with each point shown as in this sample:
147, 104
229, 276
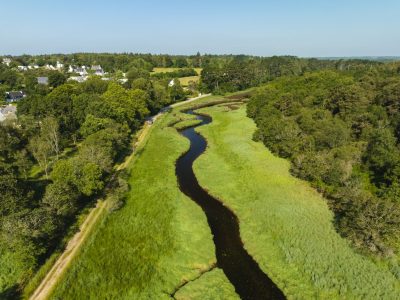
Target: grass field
184, 81
167, 70
285, 225
157, 241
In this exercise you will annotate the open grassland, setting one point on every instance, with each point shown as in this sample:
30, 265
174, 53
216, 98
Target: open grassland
285, 225
168, 70
212, 285
158, 241
184, 81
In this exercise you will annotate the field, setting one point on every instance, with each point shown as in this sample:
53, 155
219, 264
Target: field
156, 243
167, 70
285, 225
185, 80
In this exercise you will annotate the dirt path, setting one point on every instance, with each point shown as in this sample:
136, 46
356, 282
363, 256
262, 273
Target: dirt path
52, 277
49, 282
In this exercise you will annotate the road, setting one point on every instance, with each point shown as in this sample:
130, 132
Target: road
51, 279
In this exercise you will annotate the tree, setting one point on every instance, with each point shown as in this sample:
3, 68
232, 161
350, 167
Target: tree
56, 78
61, 198
126, 106
41, 151
176, 91
49, 131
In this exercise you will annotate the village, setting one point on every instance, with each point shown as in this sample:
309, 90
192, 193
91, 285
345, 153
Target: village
8, 112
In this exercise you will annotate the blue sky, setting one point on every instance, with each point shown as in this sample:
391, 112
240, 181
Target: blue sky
270, 27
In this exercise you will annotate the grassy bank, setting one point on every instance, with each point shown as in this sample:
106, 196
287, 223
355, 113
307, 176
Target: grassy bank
158, 240
285, 225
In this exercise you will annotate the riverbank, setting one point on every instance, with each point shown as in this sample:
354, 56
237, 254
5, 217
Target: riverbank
154, 245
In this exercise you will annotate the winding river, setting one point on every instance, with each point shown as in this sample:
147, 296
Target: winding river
239, 267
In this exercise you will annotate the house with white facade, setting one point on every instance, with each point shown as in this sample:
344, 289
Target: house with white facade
7, 61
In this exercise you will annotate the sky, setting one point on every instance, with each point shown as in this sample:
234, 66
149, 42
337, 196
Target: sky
306, 28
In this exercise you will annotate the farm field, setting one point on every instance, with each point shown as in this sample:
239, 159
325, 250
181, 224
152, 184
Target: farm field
167, 70
285, 225
156, 243
186, 80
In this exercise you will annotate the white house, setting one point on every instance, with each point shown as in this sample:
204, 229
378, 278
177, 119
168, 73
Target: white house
59, 66
50, 67
7, 61
22, 68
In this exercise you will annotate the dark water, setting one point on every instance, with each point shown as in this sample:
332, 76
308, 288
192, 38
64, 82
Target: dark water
240, 268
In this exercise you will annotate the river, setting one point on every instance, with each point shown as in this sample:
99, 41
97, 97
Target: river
243, 272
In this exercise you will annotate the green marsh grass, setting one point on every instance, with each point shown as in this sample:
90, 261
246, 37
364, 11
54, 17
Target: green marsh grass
158, 240
285, 224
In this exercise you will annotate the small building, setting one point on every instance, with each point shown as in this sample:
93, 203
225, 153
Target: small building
171, 83
81, 71
8, 112
14, 96
22, 68
99, 72
96, 68
43, 80
50, 67
59, 66
79, 79
7, 61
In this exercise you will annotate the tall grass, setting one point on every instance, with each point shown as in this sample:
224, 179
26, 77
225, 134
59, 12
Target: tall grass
159, 239
210, 286
285, 225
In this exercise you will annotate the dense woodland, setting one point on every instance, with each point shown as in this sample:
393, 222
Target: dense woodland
339, 126
341, 130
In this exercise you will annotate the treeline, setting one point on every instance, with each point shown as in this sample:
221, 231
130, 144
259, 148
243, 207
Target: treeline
234, 73
341, 131
58, 157
112, 62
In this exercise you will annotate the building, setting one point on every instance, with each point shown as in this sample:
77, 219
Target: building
50, 67
8, 112
81, 71
14, 96
43, 80
7, 61
79, 79
98, 70
22, 68
59, 66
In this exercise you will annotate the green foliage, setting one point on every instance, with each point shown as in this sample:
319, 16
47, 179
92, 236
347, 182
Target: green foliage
339, 133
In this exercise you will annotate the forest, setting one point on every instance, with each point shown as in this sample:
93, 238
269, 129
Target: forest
341, 132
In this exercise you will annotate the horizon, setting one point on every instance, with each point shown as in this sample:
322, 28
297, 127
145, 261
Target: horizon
310, 29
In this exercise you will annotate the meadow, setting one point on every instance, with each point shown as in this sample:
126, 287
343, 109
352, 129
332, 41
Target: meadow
154, 244
168, 70
285, 224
